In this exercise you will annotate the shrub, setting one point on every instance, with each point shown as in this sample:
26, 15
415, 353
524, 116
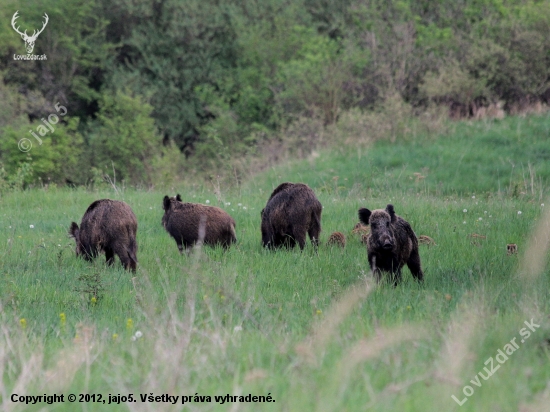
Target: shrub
124, 137
56, 160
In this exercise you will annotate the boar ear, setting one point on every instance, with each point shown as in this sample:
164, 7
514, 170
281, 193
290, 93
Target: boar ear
178, 197
73, 230
166, 203
391, 212
364, 215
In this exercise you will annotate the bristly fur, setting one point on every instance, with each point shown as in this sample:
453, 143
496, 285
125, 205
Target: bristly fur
337, 239
189, 223
391, 244
107, 226
291, 212
426, 240
360, 229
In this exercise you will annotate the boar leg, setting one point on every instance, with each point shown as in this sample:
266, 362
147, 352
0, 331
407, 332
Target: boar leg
109, 256
127, 262
290, 242
414, 266
396, 277
314, 230
376, 272
300, 238
125, 258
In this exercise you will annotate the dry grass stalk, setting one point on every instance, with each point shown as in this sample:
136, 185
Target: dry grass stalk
71, 359
367, 349
455, 352
541, 403
14, 356
534, 258
477, 236
325, 329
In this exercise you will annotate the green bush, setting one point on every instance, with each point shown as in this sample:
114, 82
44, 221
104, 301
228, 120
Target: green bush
124, 138
55, 159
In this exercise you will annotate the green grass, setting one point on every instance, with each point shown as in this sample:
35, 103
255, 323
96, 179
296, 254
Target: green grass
510, 157
288, 322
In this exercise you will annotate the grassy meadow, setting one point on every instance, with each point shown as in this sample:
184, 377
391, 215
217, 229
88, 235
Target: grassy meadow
310, 329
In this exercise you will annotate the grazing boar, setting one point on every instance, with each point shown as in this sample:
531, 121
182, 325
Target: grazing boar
337, 239
188, 223
360, 229
291, 211
426, 240
107, 226
362, 232
391, 244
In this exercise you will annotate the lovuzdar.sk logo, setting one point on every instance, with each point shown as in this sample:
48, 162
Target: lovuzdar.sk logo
29, 40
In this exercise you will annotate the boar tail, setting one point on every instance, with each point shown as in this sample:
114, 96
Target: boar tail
132, 249
233, 234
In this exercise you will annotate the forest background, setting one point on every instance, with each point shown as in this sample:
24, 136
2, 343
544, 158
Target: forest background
163, 91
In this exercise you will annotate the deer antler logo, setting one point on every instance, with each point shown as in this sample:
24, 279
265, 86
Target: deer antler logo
29, 40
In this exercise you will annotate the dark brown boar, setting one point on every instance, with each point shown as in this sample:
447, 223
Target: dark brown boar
391, 244
291, 211
188, 223
107, 226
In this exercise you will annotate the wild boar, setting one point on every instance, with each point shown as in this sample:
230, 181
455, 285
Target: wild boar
337, 239
188, 223
291, 211
391, 244
107, 226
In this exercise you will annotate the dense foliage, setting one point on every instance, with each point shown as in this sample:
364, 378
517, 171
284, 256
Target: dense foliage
217, 80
